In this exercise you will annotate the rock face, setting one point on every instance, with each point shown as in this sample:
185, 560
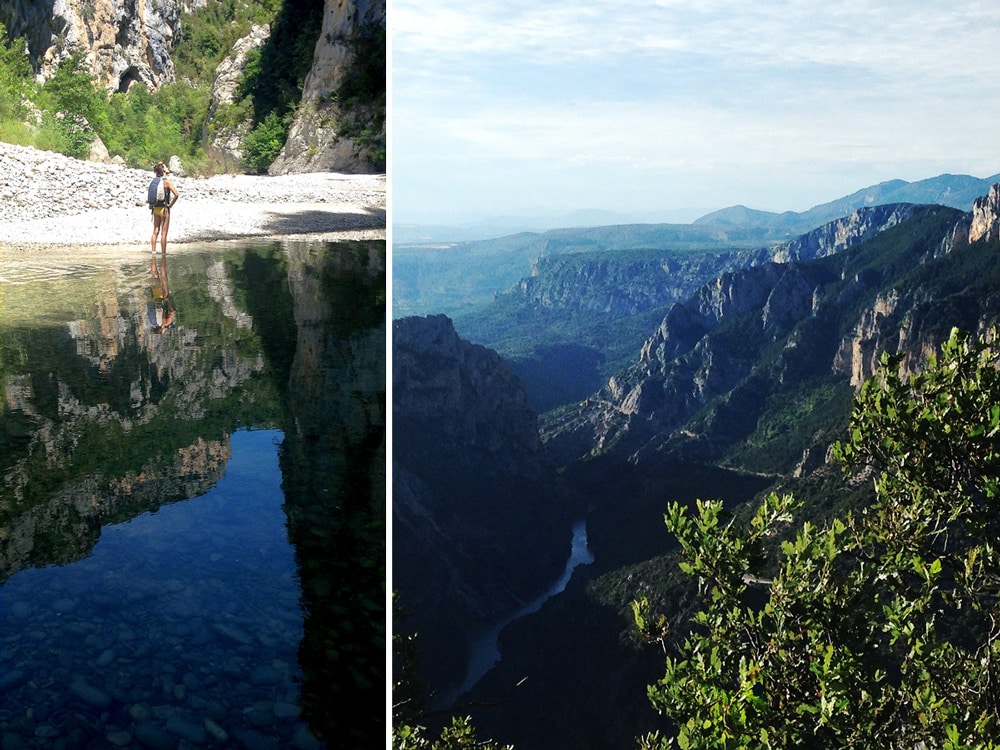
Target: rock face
707, 371
860, 226
123, 42
225, 142
985, 223
480, 522
982, 223
314, 143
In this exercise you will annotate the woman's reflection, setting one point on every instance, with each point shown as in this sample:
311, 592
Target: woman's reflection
160, 308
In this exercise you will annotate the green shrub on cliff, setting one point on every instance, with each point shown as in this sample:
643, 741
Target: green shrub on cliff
16, 83
74, 106
879, 628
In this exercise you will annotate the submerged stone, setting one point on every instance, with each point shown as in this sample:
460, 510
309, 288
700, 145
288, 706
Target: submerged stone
187, 730
90, 694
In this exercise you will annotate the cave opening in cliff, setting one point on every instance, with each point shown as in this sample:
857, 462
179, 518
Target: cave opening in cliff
129, 77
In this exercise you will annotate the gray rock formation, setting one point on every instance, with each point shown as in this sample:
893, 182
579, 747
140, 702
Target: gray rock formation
985, 223
122, 42
225, 142
314, 143
481, 523
981, 223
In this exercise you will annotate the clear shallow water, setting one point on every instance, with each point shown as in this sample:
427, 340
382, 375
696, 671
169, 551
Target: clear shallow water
191, 538
177, 617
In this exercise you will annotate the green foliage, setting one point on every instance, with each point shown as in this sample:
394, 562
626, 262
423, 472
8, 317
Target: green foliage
142, 126
263, 144
874, 629
794, 418
460, 734
209, 33
274, 81
74, 105
146, 127
365, 81
16, 85
409, 700
361, 96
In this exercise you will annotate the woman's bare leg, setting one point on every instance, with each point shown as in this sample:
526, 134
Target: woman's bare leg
164, 224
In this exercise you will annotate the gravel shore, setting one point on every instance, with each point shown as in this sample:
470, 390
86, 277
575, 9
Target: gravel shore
50, 200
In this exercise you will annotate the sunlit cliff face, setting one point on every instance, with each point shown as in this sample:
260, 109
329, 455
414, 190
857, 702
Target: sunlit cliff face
123, 42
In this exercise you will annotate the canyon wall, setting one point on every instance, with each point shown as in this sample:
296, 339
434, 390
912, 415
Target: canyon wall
122, 42
316, 141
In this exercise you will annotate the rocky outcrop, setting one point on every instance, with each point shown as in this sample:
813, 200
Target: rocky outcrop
123, 42
480, 522
981, 223
836, 236
225, 141
315, 141
985, 221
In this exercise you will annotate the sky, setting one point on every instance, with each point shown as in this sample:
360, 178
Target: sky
536, 107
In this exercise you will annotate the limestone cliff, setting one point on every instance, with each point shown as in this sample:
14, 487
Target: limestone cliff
316, 142
707, 373
123, 42
981, 223
225, 142
480, 522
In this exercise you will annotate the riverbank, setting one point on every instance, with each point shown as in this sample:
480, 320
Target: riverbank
50, 200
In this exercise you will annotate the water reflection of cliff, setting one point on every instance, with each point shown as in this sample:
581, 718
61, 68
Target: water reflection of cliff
333, 464
101, 420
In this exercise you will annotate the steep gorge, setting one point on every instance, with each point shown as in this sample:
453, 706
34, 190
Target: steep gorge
742, 386
481, 521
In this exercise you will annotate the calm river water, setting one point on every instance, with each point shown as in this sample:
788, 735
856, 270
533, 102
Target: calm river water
192, 509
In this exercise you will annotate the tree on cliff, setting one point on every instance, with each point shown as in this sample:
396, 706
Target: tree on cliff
877, 629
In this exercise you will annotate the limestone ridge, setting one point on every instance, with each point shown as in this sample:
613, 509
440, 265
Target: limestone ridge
704, 376
859, 226
602, 282
123, 42
480, 522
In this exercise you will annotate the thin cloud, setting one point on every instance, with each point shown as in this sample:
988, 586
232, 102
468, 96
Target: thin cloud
585, 90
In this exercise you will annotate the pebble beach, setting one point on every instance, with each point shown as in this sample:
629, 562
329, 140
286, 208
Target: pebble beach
51, 200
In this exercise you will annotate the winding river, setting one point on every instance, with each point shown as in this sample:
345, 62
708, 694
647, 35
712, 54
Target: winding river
484, 650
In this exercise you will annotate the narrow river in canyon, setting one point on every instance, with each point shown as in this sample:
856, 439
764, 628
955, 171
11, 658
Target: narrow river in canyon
484, 650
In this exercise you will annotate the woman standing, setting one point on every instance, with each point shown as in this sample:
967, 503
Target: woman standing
162, 195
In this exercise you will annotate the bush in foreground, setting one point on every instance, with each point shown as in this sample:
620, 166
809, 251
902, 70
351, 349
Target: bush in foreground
877, 629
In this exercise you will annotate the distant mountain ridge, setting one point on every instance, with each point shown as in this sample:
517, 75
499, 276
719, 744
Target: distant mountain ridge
580, 317
957, 191
437, 272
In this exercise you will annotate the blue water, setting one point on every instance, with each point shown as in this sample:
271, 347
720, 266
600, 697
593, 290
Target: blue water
181, 626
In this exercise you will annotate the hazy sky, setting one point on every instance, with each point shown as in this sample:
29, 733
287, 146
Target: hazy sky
521, 106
